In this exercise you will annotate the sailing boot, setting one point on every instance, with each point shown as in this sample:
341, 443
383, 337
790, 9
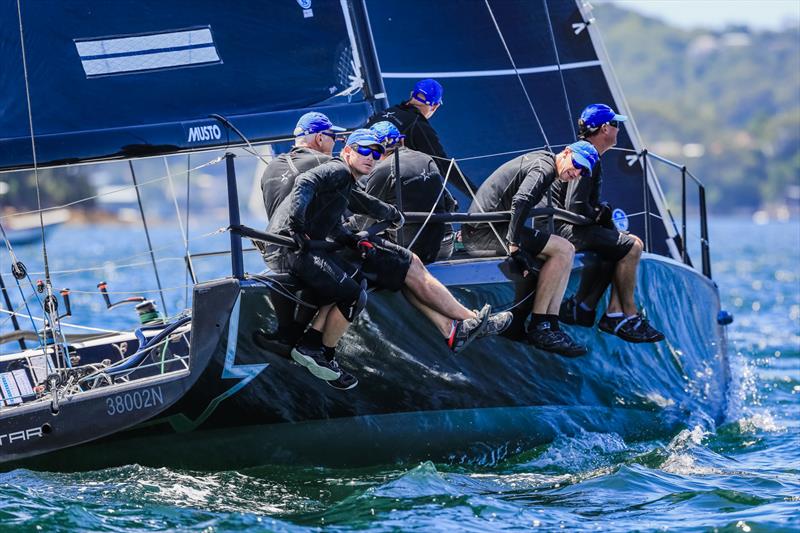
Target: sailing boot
466, 331
573, 313
497, 324
635, 328
315, 361
544, 337
346, 380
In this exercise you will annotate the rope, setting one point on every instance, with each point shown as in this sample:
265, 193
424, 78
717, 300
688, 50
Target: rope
115, 191
147, 235
188, 192
560, 70
64, 323
519, 77
184, 234
433, 207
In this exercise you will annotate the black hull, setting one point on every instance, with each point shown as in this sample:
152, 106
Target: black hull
416, 400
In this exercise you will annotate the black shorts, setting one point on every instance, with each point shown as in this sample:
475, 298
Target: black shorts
478, 241
328, 275
609, 244
388, 267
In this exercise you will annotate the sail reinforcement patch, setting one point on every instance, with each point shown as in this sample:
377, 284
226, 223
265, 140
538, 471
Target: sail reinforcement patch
144, 52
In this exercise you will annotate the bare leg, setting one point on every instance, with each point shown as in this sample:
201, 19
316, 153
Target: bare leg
554, 275
442, 323
319, 320
430, 292
335, 326
625, 281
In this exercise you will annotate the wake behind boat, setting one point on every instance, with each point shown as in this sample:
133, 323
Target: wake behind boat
225, 401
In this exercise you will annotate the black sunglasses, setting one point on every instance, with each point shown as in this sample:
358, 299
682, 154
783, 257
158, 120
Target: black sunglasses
328, 134
584, 171
366, 150
614, 123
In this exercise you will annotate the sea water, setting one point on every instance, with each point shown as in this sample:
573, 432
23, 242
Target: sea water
741, 476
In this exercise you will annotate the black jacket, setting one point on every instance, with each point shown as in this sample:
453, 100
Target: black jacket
420, 136
278, 178
319, 199
421, 191
518, 185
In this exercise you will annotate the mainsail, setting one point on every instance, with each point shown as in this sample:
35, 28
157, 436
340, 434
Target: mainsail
94, 80
517, 74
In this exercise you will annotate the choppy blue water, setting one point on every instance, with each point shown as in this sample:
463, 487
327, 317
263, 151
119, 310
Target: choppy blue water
742, 476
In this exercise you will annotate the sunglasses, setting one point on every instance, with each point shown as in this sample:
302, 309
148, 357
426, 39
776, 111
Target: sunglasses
366, 150
328, 134
614, 123
583, 169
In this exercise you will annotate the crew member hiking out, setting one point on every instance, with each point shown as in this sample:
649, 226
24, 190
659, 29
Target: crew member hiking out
518, 186
422, 190
412, 118
618, 252
315, 137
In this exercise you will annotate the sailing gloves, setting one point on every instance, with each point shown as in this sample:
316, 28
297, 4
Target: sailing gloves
604, 215
526, 263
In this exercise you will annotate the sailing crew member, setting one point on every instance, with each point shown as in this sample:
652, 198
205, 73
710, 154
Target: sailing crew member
313, 211
621, 251
412, 118
315, 137
422, 190
518, 185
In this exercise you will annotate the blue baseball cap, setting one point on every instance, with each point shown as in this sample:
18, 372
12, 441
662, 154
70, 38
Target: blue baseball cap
596, 115
387, 133
428, 91
584, 154
315, 122
365, 137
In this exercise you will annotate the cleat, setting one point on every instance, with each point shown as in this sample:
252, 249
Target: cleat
316, 363
634, 328
555, 341
466, 331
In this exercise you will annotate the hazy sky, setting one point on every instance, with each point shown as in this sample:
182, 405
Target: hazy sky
759, 14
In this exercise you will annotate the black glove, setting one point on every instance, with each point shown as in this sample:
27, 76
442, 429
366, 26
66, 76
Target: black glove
365, 248
300, 240
524, 261
604, 216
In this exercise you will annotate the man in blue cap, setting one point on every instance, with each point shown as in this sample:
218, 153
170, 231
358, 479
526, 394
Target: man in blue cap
313, 211
422, 190
412, 119
618, 252
519, 185
315, 136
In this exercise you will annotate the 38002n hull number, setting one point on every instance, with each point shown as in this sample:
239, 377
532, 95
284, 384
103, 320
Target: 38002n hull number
134, 401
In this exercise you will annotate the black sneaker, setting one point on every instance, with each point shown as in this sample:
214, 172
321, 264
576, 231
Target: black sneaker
634, 328
316, 363
497, 324
555, 341
345, 381
468, 330
573, 314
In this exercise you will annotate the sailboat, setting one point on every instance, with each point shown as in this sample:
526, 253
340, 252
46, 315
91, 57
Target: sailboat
194, 390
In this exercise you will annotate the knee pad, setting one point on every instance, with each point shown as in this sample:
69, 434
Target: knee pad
352, 308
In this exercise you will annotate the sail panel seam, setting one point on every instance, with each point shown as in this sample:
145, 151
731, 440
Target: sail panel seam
497, 72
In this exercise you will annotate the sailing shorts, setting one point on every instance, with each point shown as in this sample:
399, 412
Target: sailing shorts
388, 266
478, 241
329, 276
609, 244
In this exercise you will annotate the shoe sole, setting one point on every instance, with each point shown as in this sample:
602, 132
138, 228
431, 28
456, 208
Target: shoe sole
318, 371
352, 386
632, 340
